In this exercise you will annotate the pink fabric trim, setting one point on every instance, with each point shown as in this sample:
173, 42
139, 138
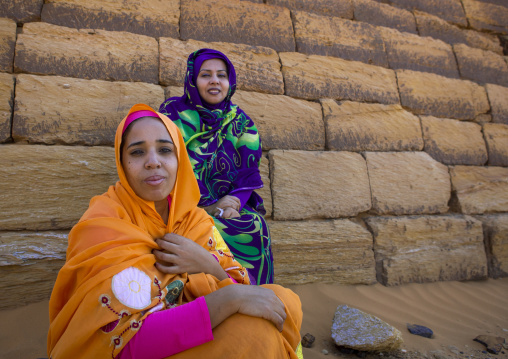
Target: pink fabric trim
138, 114
171, 331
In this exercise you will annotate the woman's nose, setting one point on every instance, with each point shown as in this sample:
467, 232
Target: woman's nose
214, 79
152, 161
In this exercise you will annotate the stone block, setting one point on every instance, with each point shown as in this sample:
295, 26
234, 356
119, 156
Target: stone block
6, 105
29, 260
283, 122
437, 28
153, 18
21, 11
495, 232
338, 185
379, 14
336, 8
454, 142
496, 137
407, 183
335, 251
412, 52
449, 10
50, 109
314, 77
498, 97
54, 185
239, 22
47, 49
174, 91
7, 44
354, 126
484, 41
333, 36
484, 16
481, 66
420, 249
435, 95
479, 190
265, 192
257, 68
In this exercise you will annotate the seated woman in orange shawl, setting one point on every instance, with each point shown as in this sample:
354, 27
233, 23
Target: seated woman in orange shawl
148, 275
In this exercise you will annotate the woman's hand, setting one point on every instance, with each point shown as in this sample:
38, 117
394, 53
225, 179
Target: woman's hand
229, 204
245, 299
178, 255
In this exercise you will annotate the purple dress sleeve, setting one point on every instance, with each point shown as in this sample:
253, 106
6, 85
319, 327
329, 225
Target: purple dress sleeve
243, 196
171, 331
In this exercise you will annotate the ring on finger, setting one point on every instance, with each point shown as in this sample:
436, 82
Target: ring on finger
221, 212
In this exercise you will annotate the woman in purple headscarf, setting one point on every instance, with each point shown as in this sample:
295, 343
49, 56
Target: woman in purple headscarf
225, 149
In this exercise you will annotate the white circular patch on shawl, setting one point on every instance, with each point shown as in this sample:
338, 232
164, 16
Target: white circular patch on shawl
132, 288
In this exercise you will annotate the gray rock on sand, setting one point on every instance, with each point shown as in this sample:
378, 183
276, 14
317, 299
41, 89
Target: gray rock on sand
361, 331
493, 344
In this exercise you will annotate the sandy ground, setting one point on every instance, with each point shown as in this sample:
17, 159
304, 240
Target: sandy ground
457, 312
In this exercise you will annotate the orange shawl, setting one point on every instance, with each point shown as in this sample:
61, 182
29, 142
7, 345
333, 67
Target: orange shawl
109, 283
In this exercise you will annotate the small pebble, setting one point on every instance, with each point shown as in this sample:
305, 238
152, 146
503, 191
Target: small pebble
324, 351
307, 340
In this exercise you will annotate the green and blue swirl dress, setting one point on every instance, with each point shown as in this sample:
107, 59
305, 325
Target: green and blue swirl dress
225, 150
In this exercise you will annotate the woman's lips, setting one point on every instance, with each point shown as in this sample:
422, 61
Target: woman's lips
154, 180
214, 91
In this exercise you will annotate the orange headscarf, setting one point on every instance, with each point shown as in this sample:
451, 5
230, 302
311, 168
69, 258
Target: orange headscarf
109, 283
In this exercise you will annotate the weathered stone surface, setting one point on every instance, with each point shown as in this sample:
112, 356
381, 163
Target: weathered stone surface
21, 10
431, 94
493, 344
352, 328
354, 126
380, 14
496, 136
91, 54
54, 185
498, 97
412, 52
480, 190
454, 142
495, 232
6, 102
50, 109
153, 18
338, 185
449, 10
239, 22
265, 192
428, 249
7, 43
29, 260
284, 122
314, 77
480, 65
484, 16
174, 91
484, 41
336, 251
407, 183
257, 68
337, 8
434, 26
333, 36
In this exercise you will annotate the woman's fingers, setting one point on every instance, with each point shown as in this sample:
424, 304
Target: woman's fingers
230, 213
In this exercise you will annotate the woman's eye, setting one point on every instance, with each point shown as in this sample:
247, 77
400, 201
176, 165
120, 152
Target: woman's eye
166, 150
222, 75
136, 152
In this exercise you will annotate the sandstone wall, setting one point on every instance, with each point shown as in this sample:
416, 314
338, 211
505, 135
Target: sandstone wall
384, 126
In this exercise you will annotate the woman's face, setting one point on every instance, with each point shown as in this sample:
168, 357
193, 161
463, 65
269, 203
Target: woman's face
149, 159
213, 81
